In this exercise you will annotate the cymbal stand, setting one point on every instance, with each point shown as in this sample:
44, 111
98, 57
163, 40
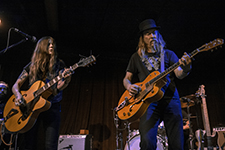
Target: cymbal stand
119, 131
119, 136
191, 134
16, 139
128, 134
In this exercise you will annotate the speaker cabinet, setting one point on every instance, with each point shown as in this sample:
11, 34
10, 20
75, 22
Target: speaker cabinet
75, 142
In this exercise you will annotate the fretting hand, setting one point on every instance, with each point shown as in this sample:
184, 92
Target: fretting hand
185, 62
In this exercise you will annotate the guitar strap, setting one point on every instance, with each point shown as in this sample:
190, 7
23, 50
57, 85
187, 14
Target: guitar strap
162, 60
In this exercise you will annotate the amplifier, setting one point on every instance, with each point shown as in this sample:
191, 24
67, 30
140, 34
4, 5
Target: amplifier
219, 129
221, 136
75, 142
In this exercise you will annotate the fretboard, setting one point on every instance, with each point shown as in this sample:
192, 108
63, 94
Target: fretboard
52, 82
171, 68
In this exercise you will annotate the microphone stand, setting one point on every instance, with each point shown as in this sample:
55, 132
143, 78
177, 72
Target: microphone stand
4, 50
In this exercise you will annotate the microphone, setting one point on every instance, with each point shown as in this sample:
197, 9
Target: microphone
28, 37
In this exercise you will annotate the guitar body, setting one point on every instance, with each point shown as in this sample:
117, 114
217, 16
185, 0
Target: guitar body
13, 114
135, 107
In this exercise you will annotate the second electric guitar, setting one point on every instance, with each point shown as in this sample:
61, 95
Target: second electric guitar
132, 108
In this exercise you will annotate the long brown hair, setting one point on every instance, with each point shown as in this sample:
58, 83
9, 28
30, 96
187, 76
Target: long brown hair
41, 59
143, 46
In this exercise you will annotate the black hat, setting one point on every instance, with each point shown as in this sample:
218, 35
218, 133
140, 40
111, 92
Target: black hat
147, 24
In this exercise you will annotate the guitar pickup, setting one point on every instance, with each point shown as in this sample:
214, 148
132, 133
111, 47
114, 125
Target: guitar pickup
121, 106
124, 103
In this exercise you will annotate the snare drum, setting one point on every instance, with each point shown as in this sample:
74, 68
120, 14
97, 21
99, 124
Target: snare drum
133, 143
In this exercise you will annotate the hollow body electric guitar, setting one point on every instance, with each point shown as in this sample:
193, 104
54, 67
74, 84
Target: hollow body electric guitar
20, 118
133, 107
205, 118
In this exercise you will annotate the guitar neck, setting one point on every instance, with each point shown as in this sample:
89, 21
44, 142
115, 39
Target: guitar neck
172, 68
82, 63
205, 117
163, 74
52, 82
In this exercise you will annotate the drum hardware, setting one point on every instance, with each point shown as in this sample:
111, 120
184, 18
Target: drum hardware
4, 131
162, 130
135, 140
128, 135
133, 136
162, 134
187, 102
119, 136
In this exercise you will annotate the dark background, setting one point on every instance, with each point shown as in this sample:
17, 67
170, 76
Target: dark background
109, 30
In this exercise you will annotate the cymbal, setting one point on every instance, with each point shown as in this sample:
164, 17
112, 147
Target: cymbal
191, 117
184, 105
191, 97
188, 99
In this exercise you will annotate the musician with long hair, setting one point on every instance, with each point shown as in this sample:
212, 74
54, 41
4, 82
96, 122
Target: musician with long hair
151, 56
44, 66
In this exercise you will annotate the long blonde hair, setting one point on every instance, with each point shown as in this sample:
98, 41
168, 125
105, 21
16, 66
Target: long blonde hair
143, 46
41, 59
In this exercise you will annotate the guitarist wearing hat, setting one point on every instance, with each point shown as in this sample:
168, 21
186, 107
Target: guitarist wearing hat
152, 56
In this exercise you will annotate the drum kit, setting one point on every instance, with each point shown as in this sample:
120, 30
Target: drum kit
187, 102
133, 138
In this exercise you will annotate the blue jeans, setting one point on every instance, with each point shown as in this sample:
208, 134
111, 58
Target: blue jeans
169, 111
50, 123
